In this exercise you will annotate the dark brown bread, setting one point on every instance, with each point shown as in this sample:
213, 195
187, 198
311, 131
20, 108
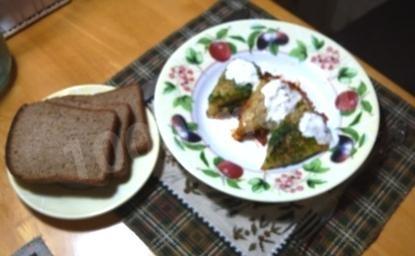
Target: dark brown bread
50, 143
138, 139
124, 113
139, 135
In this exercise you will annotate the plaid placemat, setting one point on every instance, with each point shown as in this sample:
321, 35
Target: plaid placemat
170, 227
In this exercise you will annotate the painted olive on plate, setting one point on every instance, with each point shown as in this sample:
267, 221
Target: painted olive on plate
180, 126
230, 169
343, 149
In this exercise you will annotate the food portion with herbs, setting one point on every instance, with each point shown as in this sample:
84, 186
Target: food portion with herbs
233, 88
272, 110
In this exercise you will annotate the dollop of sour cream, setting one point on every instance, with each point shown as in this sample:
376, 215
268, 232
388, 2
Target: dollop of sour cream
242, 72
279, 100
312, 125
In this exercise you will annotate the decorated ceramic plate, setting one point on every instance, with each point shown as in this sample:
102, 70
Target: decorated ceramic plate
69, 203
203, 140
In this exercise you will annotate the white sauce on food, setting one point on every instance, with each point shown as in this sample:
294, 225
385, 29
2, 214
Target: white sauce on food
312, 125
242, 72
279, 100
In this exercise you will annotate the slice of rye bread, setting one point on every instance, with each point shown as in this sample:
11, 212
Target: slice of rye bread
138, 137
50, 143
122, 160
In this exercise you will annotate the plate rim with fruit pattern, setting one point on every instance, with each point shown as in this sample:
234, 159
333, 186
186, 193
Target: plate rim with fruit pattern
355, 100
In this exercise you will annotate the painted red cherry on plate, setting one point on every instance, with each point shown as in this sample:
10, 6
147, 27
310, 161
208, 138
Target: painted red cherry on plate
347, 101
230, 169
220, 51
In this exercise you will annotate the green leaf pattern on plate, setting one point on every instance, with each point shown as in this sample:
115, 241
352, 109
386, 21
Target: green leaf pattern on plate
273, 48
233, 47
194, 57
192, 126
361, 90
366, 106
222, 33
362, 140
299, 52
252, 39
315, 166
259, 185
317, 43
346, 74
184, 101
233, 183
193, 146
169, 87
211, 173
205, 41
356, 120
203, 158
352, 132
312, 183
238, 38
178, 143
258, 27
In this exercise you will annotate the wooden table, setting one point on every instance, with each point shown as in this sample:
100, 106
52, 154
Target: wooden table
88, 42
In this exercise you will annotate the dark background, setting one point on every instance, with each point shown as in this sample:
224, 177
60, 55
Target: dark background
381, 32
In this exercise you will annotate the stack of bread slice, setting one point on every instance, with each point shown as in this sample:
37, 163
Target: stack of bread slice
81, 139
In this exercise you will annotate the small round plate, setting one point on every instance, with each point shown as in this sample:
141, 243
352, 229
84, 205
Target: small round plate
65, 203
329, 75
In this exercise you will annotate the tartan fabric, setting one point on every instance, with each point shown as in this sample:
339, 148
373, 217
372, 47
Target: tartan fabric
171, 228
168, 226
